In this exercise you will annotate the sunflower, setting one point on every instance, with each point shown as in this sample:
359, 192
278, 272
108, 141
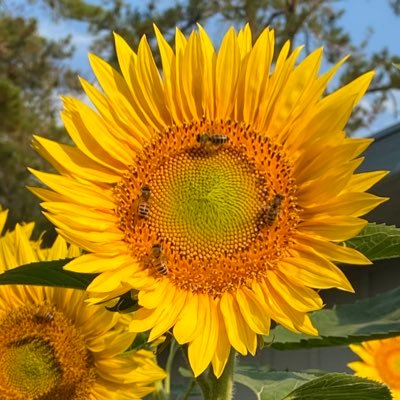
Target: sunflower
380, 361
219, 188
54, 346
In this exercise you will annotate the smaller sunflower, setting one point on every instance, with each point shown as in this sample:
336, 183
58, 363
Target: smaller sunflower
380, 361
53, 346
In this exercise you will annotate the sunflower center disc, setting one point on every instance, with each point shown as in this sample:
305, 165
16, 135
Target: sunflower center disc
43, 356
206, 203
210, 214
30, 367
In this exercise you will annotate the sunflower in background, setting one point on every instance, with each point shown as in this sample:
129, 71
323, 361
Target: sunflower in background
219, 189
380, 361
53, 345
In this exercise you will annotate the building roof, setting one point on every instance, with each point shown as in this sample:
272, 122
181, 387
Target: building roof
384, 154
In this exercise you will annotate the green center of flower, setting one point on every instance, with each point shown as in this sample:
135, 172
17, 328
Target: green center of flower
31, 367
207, 204
43, 356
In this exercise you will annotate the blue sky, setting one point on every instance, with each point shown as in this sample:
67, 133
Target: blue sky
359, 15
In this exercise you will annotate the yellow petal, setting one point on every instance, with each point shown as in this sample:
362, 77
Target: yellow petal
334, 251
240, 336
77, 192
286, 314
337, 228
148, 89
185, 327
130, 128
202, 349
227, 72
222, 349
257, 74
94, 137
348, 203
308, 268
69, 160
299, 297
93, 263
3, 219
126, 58
252, 311
245, 40
364, 181
170, 315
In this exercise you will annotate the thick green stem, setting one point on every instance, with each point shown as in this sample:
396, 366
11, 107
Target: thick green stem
222, 388
202, 380
189, 389
204, 384
172, 351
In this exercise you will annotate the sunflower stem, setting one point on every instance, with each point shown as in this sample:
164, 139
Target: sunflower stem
222, 387
204, 383
189, 390
172, 352
202, 380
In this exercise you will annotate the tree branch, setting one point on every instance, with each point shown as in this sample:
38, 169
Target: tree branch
383, 88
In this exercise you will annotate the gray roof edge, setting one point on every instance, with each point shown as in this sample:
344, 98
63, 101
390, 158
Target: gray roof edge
389, 131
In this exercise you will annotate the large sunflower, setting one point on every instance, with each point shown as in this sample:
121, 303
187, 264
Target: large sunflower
380, 361
54, 346
219, 189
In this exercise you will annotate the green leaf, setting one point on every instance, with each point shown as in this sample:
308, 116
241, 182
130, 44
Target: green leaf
267, 385
396, 65
373, 318
271, 385
335, 386
377, 241
46, 273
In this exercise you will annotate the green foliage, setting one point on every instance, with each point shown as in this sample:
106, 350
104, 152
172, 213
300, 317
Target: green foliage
11, 106
373, 318
270, 385
76, 9
340, 386
30, 73
46, 273
30, 62
377, 241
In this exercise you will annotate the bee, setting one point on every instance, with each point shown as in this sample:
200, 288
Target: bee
43, 316
209, 139
272, 211
157, 259
218, 139
140, 208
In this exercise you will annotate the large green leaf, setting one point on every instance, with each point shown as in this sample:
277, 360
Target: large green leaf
268, 385
377, 241
336, 386
374, 318
46, 273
